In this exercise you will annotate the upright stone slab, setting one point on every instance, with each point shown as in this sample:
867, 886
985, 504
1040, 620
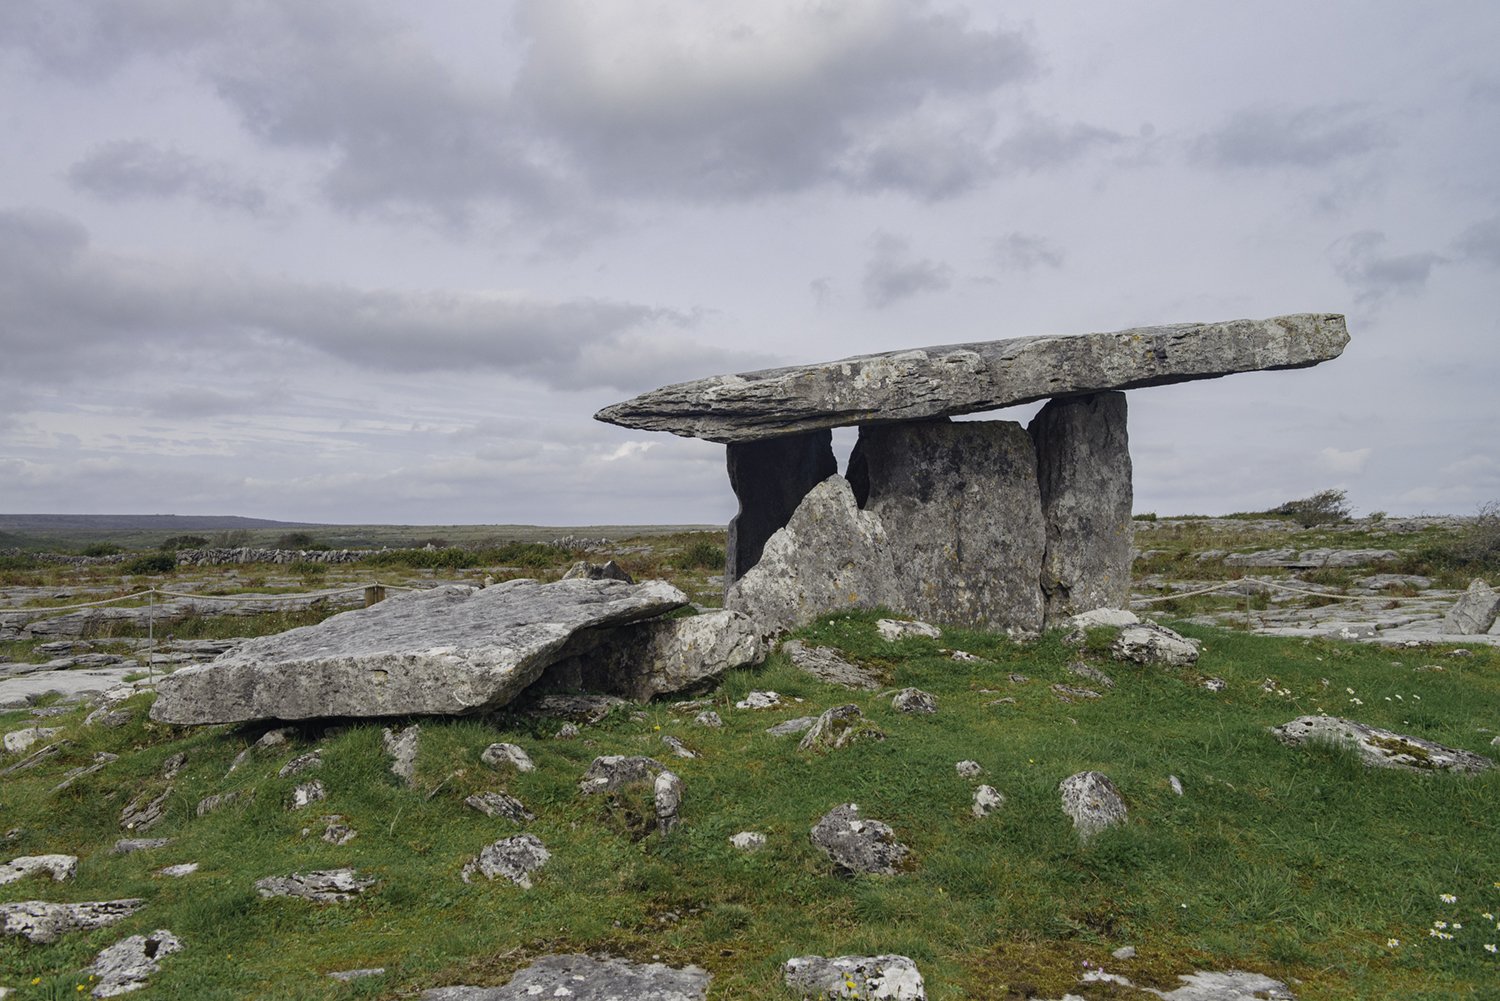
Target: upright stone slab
962, 518
770, 478
1083, 470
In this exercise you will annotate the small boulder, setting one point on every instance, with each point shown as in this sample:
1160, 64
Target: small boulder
1149, 643
514, 858
326, 886
126, 846
401, 746
1093, 803
914, 701
60, 867
1091, 673
307, 794
588, 978
1072, 693
1097, 617
968, 769
499, 804
1472, 615
892, 630
759, 700
613, 772
20, 740
144, 811
987, 799
827, 664
302, 763
336, 832
708, 718
210, 804
856, 845
178, 871
839, 727
668, 801
878, 978
1379, 748
678, 748
44, 922
126, 965
584, 570
748, 841
507, 756
792, 727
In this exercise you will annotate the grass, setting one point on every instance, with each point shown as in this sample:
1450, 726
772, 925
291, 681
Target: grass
1296, 863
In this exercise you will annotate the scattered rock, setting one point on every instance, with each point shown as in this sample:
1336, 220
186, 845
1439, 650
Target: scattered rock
568, 731
914, 701
1091, 673
1215, 684
1018, 679
507, 756
1097, 617
1175, 783
879, 978
1381, 748
892, 630
1071, 693
302, 763
1124, 952
1233, 985
838, 727
347, 976
708, 718
1149, 643
987, 799
43, 922
179, 870
964, 657
613, 772
827, 664
126, 846
759, 700
336, 832
60, 867
499, 804
401, 746
968, 769
792, 727
514, 858
1093, 803
668, 801
108, 717
679, 749
101, 759
748, 841
856, 845
325, 886
125, 966
307, 794
274, 737
576, 707
1473, 614
208, 804
18, 741
145, 811
584, 570
586, 978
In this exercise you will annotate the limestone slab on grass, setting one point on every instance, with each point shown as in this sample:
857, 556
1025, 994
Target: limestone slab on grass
1473, 614
513, 858
968, 378
827, 664
1093, 803
857, 845
1380, 748
59, 867
126, 965
44, 922
878, 978
325, 886
588, 978
445, 651
1148, 643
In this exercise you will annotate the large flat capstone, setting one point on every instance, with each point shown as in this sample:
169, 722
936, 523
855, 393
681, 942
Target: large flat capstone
446, 651
969, 378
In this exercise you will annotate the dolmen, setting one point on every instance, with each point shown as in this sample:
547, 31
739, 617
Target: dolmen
976, 523
456, 650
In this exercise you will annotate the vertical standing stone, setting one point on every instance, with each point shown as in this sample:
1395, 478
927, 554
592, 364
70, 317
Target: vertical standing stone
1083, 469
770, 478
962, 516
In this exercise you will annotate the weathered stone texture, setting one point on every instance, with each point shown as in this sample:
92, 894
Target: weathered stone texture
1083, 471
970, 378
1379, 748
770, 478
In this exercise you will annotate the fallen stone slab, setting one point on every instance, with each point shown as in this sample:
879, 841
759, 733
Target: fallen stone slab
326, 886
968, 378
44, 922
827, 664
588, 978
1380, 748
878, 978
59, 867
1473, 614
445, 651
1092, 802
856, 845
1148, 643
513, 858
126, 965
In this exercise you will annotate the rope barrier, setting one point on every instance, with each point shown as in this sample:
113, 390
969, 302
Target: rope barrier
1225, 585
263, 598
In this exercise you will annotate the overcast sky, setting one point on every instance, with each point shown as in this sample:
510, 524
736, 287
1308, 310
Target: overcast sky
353, 261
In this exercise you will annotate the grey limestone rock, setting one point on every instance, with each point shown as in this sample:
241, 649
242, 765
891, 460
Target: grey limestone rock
962, 516
335, 831
584, 570
514, 858
1083, 470
145, 810
59, 867
507, 756
178, 871
827, 664
1229, 985
44, 922
1149, 643
613, 772
588, 978
646, 659
499, 804
349, 975
878, 978
667, 791
968, 769
987, 799
325, 886
760, 700
792, 727
301, 763
17, 741
217, 801
125, 846
708, 718
839, 727
307, 794
1091, 673
126, 965
1093, 803
677, 747
831, 556
748, 841
401, 747
446, 651
914, 701
1473, 614
1380, 748
1072, 693
969, 378
770, 478
892, 630
856, 845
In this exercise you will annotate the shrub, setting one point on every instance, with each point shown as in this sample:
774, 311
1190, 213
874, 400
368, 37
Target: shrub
101, 549
176, 542
1473, 550
150, 564
309, 571
702, 555
233, 539
301, 540
1326, 507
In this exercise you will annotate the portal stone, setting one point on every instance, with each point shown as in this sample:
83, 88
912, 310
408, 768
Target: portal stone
770, 478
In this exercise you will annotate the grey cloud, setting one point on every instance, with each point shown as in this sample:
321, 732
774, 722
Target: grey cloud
63, 303
1480, 242
91, 39
1292, 137
893, 274
136, 168
1043, 144
1027, 252
1374, 276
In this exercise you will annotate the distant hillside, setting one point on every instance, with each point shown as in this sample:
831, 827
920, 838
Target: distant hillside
70, 524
